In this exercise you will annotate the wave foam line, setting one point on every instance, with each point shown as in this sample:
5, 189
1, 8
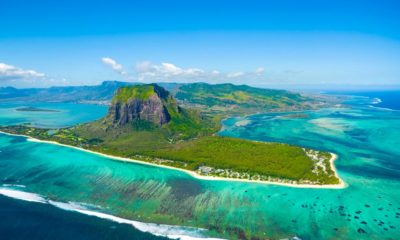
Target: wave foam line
383, 108
20, 195
174, 232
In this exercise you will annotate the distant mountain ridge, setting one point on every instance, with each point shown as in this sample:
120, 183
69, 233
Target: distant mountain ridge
106, 90
216, 100
239, 97
102, 92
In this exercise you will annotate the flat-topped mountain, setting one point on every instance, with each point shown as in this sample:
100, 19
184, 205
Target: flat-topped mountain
142, 102
152, 110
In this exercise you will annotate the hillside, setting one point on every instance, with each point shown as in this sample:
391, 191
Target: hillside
240, 97
145, 122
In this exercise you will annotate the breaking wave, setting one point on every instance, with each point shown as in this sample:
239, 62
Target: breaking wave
376, 101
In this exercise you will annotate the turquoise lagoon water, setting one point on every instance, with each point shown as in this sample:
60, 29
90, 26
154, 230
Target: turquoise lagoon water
366, 140
65, 114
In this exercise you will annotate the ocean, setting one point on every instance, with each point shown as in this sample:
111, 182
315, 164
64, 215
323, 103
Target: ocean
26, 220
389, 99
69, 186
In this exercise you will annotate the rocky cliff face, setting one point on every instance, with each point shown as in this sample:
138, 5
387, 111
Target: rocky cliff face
150, 106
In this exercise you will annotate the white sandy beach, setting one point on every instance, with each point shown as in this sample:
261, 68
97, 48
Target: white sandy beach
341, 185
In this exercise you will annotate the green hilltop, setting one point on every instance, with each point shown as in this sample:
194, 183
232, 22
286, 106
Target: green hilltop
143, 92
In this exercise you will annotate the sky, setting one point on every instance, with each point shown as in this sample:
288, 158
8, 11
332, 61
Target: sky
287, 44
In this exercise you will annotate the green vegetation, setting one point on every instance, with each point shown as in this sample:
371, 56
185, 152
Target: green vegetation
187, 141
258, 159
142, 92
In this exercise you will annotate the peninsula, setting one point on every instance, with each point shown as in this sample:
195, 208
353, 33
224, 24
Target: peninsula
146, 123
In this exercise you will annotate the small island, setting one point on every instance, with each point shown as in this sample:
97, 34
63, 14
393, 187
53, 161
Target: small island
145, 123
295, 115
34, 109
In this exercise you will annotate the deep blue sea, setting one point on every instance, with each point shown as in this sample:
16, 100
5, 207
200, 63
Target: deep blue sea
22, 220
383, 99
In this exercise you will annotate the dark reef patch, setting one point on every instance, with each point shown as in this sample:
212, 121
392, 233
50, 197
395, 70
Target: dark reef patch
184, 188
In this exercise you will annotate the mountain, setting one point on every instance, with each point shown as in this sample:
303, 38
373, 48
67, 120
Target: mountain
146, 102
149, 111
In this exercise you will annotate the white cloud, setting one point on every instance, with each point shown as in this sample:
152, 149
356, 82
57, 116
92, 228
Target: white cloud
168, 72
260, 70
147, 71
144, 66
165, 70
9, 72
114, 65
235, 74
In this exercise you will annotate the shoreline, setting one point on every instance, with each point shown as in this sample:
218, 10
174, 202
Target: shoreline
193, 174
